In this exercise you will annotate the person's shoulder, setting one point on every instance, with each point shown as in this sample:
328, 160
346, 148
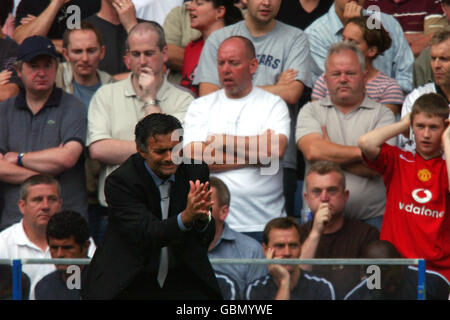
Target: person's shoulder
319, 22
8, 103
94, 19
221, 34
108, 89
248, 243
228, 285
208, 99
10, 232
391, 25
266, 95
49, 279
377, 109
314, 281
358, 291
128, 169
360, 227
258, 287
105, 77
383, 78
178, 91
288, 29
317, 105
426, 88
68, 100
431, 276
262, 281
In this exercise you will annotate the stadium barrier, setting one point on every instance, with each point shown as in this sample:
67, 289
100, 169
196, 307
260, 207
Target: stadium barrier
421, 289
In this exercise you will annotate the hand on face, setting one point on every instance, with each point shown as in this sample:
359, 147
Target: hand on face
322, 217
148, 82
277, 271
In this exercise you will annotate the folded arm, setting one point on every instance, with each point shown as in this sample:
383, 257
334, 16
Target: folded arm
52, 161
290, 92
41, 25
227, 152
315, 147
112, 151
13, 173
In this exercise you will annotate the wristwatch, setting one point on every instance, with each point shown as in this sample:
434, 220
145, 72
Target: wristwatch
19, 158
151, 102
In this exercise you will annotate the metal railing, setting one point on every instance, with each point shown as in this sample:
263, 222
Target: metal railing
17, 267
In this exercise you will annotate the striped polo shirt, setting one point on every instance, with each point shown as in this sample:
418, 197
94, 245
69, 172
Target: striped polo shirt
381, 89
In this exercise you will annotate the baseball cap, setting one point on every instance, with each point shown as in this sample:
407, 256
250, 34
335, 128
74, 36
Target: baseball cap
35, 46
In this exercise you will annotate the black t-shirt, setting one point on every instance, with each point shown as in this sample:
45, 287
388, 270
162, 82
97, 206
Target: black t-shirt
114, 38
347, 242
53, 287
36, 7
228, 286
309, 287
292, 13
436, 287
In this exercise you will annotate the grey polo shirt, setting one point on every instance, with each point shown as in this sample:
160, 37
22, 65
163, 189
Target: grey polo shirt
367, 196
233, 244
62, 119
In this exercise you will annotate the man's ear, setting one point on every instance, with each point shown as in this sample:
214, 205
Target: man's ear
265, 248
165, 52
224, 212
126, 59
21, 205
65, 54
140, 151
253, 65
102, 52
346, 195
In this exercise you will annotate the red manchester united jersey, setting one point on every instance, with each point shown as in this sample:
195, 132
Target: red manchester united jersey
416, 219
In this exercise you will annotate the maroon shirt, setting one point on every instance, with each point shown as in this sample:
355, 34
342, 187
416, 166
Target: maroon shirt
411, 14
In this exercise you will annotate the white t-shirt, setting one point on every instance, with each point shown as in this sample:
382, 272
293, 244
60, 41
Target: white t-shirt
155, 10
256, 193
14, 244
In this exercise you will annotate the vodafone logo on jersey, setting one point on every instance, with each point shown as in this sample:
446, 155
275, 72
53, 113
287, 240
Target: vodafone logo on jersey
421, 196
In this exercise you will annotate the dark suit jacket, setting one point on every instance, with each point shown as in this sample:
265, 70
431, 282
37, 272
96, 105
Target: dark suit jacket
136, 234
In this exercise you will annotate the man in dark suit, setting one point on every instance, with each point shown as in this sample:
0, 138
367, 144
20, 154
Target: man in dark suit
139, 242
